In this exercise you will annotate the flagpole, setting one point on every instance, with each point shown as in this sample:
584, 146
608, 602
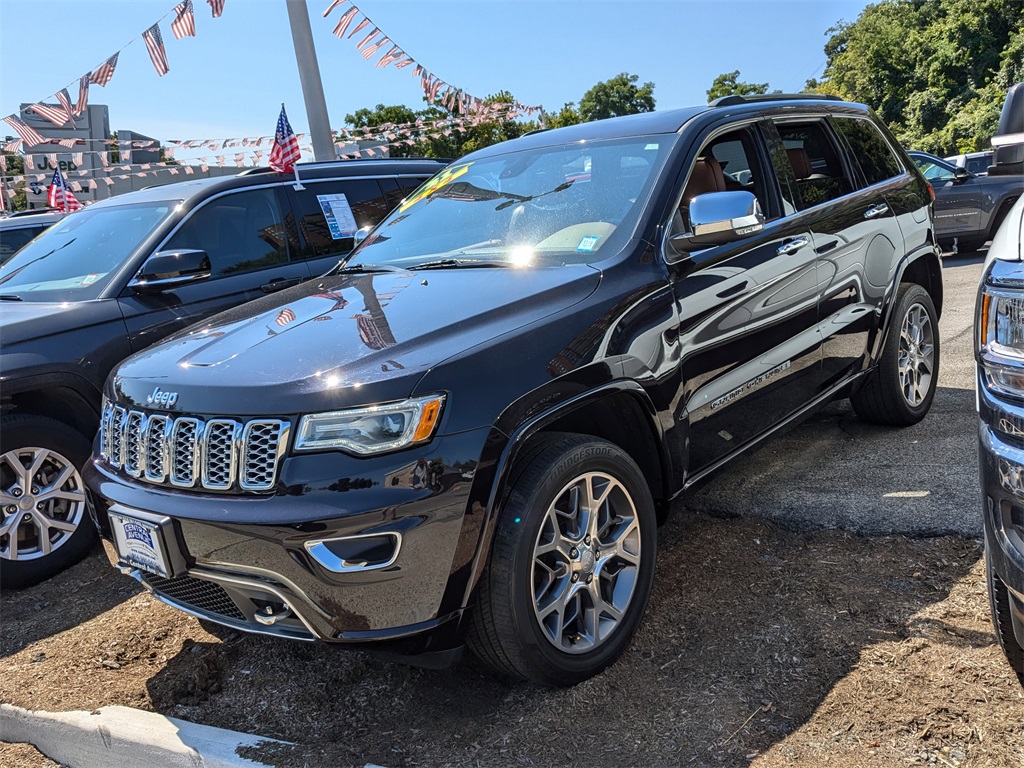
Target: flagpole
312, 86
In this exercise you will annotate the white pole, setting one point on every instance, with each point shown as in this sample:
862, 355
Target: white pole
309, 76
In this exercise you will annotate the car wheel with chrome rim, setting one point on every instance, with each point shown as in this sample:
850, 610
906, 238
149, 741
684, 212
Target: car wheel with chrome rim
572, 563
44, 525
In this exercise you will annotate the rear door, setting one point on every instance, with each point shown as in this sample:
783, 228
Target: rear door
857, 239
253, 252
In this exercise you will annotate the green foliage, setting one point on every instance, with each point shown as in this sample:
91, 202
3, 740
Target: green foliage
728, 84
936, 71
567, 115
15, 167
615, 97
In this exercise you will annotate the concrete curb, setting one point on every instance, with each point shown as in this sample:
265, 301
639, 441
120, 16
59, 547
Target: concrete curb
123, 737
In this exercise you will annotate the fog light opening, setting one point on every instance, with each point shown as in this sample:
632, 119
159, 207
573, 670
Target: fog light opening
349, 554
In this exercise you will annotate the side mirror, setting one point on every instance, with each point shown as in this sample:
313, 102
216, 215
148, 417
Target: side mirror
361, 234
170, 269
961, 174
719, 217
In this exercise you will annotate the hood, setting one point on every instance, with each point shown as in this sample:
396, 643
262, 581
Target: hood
343, 340
22, 321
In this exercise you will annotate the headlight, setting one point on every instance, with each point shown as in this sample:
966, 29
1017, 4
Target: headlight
374, 429
1001, 340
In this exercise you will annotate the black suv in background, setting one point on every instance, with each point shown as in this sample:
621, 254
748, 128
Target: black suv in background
471, 429
119, 275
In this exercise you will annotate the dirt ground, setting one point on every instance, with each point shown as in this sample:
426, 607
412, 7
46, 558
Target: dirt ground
762, 646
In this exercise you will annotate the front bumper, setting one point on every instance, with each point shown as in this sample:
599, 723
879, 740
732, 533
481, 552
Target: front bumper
251, 562
1001, 463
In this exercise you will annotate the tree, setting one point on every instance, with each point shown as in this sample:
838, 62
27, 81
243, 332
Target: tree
567, 115
616, 97
395, 114
15, 167
936, 72
728, 84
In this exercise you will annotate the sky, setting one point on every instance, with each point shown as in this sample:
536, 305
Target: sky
230, 80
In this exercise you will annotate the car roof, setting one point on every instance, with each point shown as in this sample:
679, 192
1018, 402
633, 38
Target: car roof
671, 120
31, 220
197, 189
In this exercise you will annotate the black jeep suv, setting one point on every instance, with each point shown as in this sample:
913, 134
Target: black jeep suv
471, 429
112, 279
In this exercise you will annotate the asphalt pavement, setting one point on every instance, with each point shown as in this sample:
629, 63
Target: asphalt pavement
835, 471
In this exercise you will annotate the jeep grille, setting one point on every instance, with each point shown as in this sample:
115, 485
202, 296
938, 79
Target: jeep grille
187, 452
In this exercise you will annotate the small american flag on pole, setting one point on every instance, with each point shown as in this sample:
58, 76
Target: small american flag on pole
184, 24
105, 71
55, 115
155, 46
59, 196
217, 6
286, 146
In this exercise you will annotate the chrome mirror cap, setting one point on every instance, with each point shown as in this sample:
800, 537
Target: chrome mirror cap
724, 216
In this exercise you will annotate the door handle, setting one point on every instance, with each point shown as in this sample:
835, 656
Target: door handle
280, 283
876, 210
792, 246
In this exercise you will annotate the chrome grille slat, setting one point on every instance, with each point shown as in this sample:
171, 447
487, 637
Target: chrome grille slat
187, 452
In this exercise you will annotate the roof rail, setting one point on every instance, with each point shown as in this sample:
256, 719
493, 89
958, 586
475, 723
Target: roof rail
729, 101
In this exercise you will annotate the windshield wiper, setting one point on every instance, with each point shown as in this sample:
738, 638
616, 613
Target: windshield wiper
368, 268
10, 297
458, 263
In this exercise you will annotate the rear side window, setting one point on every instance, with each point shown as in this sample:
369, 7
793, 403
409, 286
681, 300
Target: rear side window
330, 212
240, 232
873, 153
11, 240
397, 189
815, 161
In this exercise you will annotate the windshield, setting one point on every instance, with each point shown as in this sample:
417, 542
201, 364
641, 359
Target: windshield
543, 207
74, 259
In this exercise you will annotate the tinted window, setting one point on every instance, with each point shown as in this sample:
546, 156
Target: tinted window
396, 190
815, 162
874, 154
934, 170
240, 232
330, 212
12, 240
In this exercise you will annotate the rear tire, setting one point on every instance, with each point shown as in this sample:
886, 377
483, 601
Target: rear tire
571, 566
999, 600
900, 390
44, 524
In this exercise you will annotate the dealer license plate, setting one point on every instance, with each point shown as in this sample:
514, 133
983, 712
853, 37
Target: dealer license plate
139, 543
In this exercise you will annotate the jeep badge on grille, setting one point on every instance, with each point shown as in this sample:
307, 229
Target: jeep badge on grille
161, 398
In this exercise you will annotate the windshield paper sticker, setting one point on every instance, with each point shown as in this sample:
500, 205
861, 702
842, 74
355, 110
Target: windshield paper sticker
90, 279
445, 177
339, 216
588, 243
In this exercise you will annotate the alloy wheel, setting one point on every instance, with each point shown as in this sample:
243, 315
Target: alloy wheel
916, 357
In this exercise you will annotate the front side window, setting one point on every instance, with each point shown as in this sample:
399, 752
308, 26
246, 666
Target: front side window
567, 204
815, 162
873, 153
935, 170
77, 257
240, 232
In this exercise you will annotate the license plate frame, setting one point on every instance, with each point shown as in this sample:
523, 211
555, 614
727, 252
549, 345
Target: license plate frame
145, 541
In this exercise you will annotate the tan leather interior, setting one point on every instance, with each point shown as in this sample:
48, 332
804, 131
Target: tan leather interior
800, 161
707, 176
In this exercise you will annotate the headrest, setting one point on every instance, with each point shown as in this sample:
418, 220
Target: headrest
707, 176
800, 161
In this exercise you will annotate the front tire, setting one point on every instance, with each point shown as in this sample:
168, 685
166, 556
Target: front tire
900, 390
571, 566
44, 525
999, 601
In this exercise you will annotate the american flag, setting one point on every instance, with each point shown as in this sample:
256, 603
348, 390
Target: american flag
83, 95
344, 21
65, 101
332, 6
285, 316
286, 146
55, 115
106, 71
59, 196
184, 24
155, 46
217, 6
27, 133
